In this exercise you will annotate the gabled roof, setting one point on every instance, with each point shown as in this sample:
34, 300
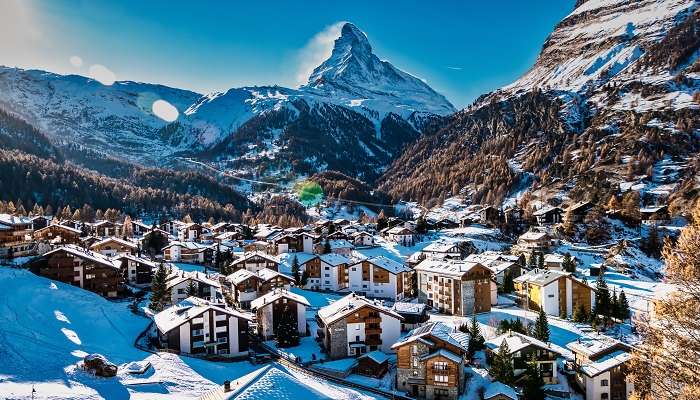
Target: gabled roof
178, 277
85, 254
241, 276
400, 230
10, 220
277, 294
139, 260
377, 356
61, 227
115, 240
516, 342
546, 210
267, 274
437, 330
187, 309
443, 353
387, 264
198, 247
334, 259
408, 308
606, 363
340, 244
497, 388
350, 304
247, 256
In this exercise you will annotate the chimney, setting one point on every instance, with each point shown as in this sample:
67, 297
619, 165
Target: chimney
227, 386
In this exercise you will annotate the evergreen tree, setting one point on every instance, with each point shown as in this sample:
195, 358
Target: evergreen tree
542, 327
327, 247
602, 299
502, 365
421, 225
304, 278
191, 289
533, 260
295, 270
652, 245
580, 314
623, 307
476, 339
287, 333
533, 383
508, 285
540, 261
158, 289
568, 265
381, 221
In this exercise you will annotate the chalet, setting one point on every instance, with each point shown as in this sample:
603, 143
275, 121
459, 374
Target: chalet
267, 234
601, 365
402, 235
139, 227
228, 236
244, 287
380, 277
522, 348
548, 215
489, 215
189, 252
443, 249
535, 241
136, 271
373, 364
500, 264
58, 234
79, 267
205, 287
362, 239
430, 362
338, 235
190, 232
414, 314
15, 236
271, 279
269, 308
442, 223
513, 215
355, 325
454, 287
340, 222
104, 228
332, 273
172, 227
287, 243
577, 212
40, 221
113, 246
555, 261
255, 261
198, 327
655, 215
555, 292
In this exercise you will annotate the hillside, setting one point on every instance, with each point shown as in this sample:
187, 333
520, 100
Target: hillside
612, 98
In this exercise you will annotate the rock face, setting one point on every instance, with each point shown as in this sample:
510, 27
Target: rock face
98, 365
355, 114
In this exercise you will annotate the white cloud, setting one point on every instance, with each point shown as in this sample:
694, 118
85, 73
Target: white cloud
165, 111
316, 51
20, 34
455, 68
102, 74
76, 61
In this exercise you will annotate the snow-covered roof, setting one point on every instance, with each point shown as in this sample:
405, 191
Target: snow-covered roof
452, 268
606, 363
376, 356
7, 219
115, 240
541, 277
178, 277
440, 247
437, 330
334, 259
189, 245
516, 342
191, 307
388, 264
266, 274
349, 304
276, 295
592, 346
62, 227
443, 353
545, 210
554, 258
86, 254
533, 236
497, 388
240, 276
400, 230
340, 244
249, 255
408, 308
137, 259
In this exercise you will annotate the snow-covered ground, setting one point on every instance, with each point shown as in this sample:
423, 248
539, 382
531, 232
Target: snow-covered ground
47, 327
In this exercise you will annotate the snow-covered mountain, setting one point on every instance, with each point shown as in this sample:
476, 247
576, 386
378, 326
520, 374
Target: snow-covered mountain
357, 108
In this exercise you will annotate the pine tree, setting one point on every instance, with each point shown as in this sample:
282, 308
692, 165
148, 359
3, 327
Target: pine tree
542, 327
602, 299
502, 365
540, 261
191, 289
653, 245
533, 384
295, 270
623, 307
304, 278
381, 221
580, 314
327, 247
476, 339
508, 284
421, 225
287, 333
533, 260
158, 289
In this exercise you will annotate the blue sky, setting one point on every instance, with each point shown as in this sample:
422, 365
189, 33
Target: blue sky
461, 48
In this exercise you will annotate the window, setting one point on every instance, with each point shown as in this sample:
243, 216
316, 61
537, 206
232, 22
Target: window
223, 339
604, 382
414, 362
603, 396
197, 344
441, 378
440, 366
414, 349
357, 338
198, 332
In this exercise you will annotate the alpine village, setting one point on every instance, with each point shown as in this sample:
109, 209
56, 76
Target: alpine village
541, 243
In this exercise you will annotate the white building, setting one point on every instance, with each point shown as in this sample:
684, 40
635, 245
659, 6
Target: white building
206, 288
599, 363
380, 277
333, 272
269, 308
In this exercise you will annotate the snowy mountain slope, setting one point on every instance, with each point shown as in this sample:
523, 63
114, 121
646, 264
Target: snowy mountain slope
117, 119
